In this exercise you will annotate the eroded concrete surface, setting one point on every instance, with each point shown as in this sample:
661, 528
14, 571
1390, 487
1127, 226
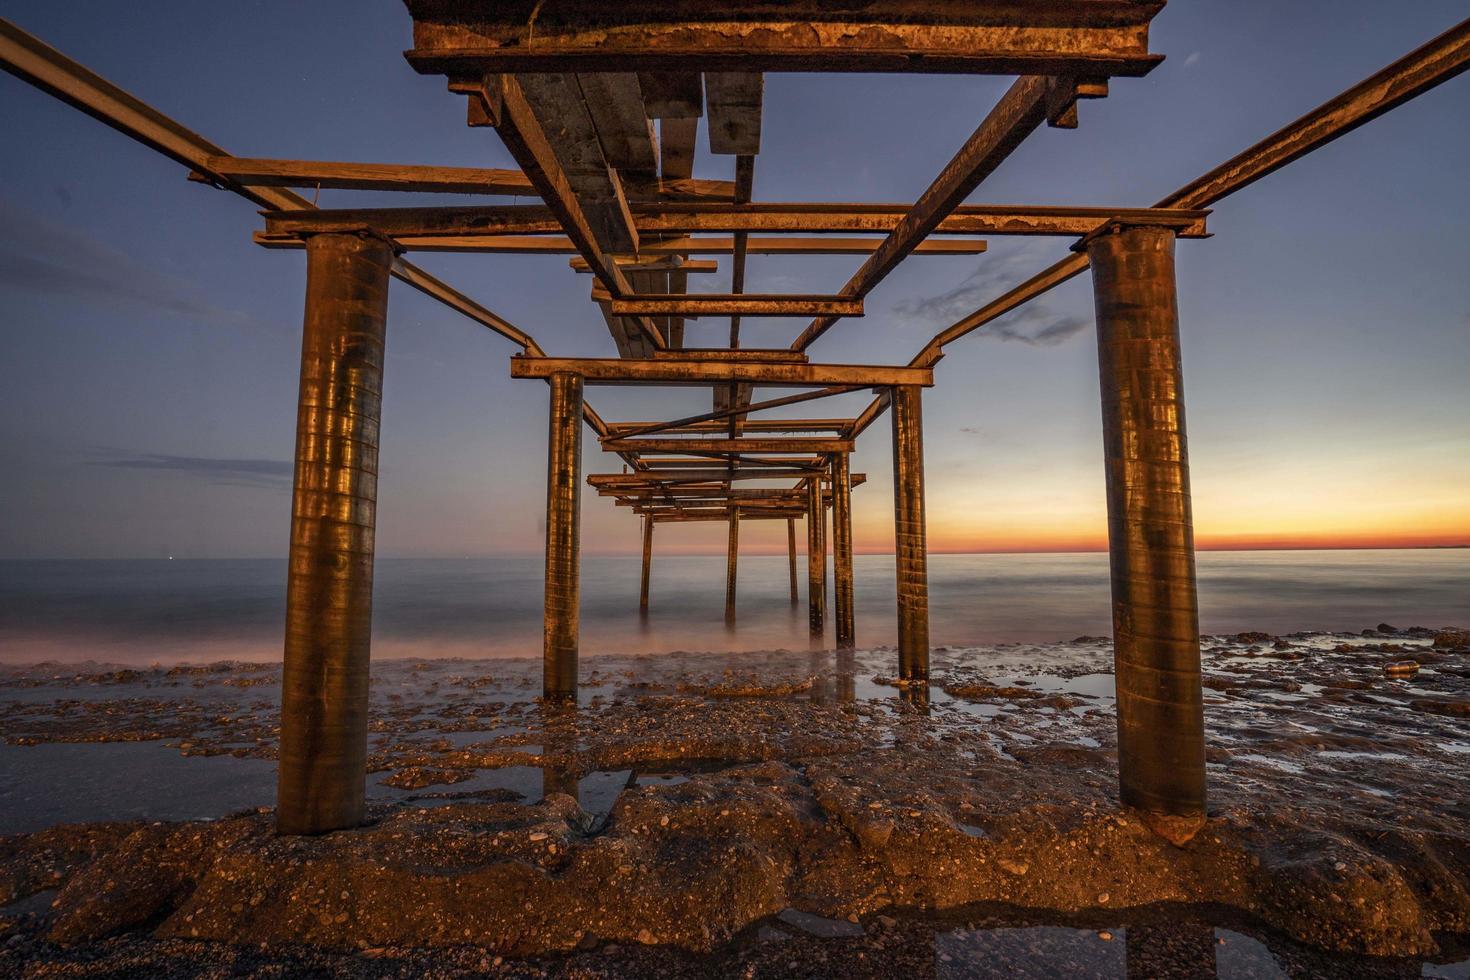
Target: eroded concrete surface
709, 813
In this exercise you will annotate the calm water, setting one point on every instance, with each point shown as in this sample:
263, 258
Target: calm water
140, 611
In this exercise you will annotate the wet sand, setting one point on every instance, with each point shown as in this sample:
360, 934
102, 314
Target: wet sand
706, 813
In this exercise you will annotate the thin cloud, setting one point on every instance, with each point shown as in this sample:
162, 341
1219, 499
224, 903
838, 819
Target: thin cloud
1035, 324
1191, 59
270, 473
49, 258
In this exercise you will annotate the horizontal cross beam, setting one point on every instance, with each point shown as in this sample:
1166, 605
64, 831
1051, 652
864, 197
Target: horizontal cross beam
561, 245
624, 429
740, 445
618, 371
744, 304
465, 221
421, 179
710, 475
1081, 37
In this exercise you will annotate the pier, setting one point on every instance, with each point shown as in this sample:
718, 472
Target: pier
602, 114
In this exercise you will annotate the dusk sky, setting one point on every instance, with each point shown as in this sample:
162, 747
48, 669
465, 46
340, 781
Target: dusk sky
150, 350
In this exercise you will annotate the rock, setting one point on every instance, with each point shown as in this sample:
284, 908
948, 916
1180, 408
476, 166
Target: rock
1452, 638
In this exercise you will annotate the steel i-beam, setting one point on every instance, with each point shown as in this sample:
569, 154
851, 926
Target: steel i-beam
910, 555
842, 551
791, 555
647, 564
1161, 751
732, 561
329, 590
563, 517
816, 559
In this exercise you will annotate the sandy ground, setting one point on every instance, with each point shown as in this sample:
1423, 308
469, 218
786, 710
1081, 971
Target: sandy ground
786, 813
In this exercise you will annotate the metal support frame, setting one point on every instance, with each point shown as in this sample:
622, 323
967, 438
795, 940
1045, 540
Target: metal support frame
647, 564
842, 551
1156, 649
791, 556
563, 519
329, 590
732, 564
816, 559
910, 556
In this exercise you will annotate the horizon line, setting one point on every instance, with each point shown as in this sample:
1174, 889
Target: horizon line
758, 553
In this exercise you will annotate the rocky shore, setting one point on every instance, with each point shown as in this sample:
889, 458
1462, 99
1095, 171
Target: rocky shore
701, 813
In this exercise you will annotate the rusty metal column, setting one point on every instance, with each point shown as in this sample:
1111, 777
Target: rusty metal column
791, 555
816, 559
1161, 751
647, 562
563, 519
732, 561
329, 590
909, 552
842, 550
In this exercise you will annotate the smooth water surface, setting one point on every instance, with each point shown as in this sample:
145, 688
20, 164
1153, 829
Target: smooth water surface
142, 611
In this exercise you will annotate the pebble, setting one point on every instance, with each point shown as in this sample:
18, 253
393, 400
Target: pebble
538, 835
1105, 936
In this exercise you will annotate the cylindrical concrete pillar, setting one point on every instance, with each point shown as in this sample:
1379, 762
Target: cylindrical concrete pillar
563, 519
732, 561
910, 550
791, 556
329, 590
816, 558
647, 562
1161, 752
842, 551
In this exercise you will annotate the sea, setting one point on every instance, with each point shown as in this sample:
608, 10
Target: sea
162, 611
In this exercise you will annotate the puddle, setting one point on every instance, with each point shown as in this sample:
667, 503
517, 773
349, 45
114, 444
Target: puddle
819, 926
76, 782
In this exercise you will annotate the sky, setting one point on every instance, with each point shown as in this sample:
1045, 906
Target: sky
148, 380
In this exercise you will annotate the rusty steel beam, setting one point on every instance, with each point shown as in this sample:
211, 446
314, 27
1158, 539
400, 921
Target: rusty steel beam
794, 444
468, 221
732, 562
727, 354
655, 263
559, 104
816, 557
735, 100
791, 556
422, 179
616, 371
561, 245
910, 551
329, 590
647, 565
694, 420
839, 219
563, 539
1156, 648
685, 517
697, 475
523, 135
842, 552
627, 429
1094, 38
712, 304
1019, 112
699, 459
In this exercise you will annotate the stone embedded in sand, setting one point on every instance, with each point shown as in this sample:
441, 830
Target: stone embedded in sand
1452, 638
